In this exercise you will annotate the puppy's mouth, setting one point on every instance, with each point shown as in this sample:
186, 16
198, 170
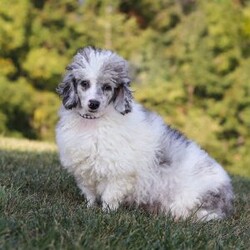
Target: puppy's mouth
87, 116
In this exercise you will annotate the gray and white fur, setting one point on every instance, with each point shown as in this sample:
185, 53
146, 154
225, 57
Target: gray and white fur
121, 153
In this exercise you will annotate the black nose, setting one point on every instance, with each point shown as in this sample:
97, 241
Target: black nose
93, 104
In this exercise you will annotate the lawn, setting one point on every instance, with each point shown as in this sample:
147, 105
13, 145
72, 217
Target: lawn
41, 208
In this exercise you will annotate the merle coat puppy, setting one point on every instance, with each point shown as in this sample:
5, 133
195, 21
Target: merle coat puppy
121, 153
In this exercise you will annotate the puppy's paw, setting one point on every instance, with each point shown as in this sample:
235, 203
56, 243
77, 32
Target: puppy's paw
205, 215
90, 203
110, 207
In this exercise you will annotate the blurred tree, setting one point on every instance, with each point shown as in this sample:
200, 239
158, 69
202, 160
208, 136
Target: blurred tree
45, 67
17, 106
25, 112
190, 62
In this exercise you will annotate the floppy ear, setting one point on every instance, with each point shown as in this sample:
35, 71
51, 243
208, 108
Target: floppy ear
123, 99
67, 90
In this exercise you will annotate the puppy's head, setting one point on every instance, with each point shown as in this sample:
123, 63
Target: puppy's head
94, 80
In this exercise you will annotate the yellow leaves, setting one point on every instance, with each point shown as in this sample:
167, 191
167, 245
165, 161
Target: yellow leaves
13, 18
45, 115
245, 116
161, 93
44, 63
7, 67
246, 21
221, 63
201, 127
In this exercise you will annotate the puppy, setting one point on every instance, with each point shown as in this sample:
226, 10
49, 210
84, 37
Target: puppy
119, 152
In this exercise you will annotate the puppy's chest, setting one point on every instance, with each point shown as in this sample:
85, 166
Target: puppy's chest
108, 151
105, 147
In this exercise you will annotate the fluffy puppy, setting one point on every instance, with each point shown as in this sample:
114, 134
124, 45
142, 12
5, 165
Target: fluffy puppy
119, 152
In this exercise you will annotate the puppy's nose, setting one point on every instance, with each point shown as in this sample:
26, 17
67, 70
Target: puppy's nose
94, 104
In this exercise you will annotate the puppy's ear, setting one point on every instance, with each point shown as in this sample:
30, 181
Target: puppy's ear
123, 99
67, 90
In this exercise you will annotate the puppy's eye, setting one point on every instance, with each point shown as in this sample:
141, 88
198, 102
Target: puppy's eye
85, 84
106, 87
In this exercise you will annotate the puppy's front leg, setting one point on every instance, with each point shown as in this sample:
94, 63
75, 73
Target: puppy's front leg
89, 194
115, 192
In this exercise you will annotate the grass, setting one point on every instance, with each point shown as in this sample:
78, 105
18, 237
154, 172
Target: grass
41, 208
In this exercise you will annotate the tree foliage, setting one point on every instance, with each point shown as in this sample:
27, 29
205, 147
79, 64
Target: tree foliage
190, 61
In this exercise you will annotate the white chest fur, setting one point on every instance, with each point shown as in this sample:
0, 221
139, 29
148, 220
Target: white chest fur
106, 148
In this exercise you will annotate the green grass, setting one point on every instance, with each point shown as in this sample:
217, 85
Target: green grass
41, 208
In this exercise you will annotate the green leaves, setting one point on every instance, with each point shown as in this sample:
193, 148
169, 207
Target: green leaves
26, 112
45, 67
13, 22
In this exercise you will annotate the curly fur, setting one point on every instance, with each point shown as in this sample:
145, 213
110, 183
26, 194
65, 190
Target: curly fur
119, 152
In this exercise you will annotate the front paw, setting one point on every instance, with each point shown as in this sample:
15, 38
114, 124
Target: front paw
109, 206
90, 203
